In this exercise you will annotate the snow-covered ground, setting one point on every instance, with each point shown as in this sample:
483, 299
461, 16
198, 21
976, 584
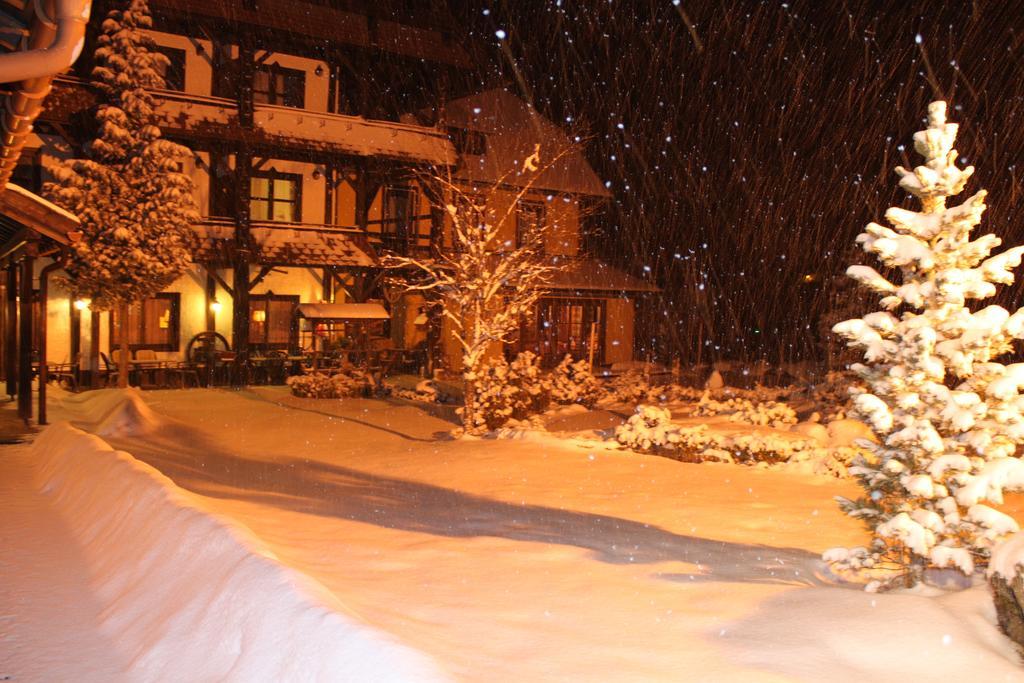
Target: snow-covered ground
520, 559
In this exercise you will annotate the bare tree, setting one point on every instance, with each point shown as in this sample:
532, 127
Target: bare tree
484, 283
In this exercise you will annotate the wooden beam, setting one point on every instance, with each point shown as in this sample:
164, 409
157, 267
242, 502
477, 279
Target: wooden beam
11, 332
212, 272
264, 272
25, 339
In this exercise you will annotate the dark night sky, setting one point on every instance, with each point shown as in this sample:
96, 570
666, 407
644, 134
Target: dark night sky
748, 142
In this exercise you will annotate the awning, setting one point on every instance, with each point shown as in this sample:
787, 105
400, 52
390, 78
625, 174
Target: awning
343, 312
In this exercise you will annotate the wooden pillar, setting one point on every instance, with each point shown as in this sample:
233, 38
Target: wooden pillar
246, 71
44, 294
362, 201
11, 332
328, 279
94, 349
25, 339
330, 178
76, 332
243, 257
211, 294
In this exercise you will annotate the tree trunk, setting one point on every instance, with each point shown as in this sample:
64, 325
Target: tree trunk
469, 408
122, 352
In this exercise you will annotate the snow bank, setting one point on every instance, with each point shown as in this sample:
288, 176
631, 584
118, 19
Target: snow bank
191, 596
115, 412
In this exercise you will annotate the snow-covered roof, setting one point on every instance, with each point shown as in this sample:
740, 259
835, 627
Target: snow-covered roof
368, 311
32, 211
512, 129
585, 274
286, 244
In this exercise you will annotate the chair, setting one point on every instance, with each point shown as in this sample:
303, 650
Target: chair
110, 370
65, 372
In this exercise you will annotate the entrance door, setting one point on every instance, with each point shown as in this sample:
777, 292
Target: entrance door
566, 326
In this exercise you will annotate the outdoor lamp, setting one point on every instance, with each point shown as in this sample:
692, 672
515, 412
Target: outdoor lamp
81, 304
215, 305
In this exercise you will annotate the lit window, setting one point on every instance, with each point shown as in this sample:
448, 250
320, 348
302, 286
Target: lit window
275, 197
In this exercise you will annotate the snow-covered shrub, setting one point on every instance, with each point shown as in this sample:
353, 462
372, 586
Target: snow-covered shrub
507, 391
946, 415
831, 395
534, 393
320, 385
766, 413
572, 382
649, 430
425, 391
630, 387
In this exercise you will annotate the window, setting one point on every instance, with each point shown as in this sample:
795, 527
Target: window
272, 321
566, 326
173, 72
153, 324
275, 197
467, 141
397, 222
273, 84
529, 220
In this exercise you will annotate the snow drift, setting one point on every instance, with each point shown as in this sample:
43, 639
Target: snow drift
188, 595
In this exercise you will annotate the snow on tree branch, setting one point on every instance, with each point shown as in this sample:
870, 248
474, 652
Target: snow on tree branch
484, 283
946, 414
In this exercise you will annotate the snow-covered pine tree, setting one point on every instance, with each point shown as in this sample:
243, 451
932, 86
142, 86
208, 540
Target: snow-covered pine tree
135, 205
947, 415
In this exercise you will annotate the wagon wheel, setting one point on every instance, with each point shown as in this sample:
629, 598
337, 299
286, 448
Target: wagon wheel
205, 348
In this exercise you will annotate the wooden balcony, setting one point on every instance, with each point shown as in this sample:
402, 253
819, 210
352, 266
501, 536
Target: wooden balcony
215, 119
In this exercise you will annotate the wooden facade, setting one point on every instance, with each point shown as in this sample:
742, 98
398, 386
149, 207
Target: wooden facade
309, 162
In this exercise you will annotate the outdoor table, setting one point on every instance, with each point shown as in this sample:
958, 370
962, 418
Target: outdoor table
154, 370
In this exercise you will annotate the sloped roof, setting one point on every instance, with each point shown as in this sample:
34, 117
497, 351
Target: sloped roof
513, 128
285, 246
586, 274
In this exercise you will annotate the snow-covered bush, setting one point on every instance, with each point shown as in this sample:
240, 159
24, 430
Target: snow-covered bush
572, 382
507, 391
766, 413
320, 385
534, 389
630, 387
946, 415
425, 391
649, 430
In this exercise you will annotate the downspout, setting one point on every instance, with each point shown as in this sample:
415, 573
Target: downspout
55, 40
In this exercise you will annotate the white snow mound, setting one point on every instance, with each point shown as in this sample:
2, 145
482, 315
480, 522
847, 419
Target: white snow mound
114, 412
191, 596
